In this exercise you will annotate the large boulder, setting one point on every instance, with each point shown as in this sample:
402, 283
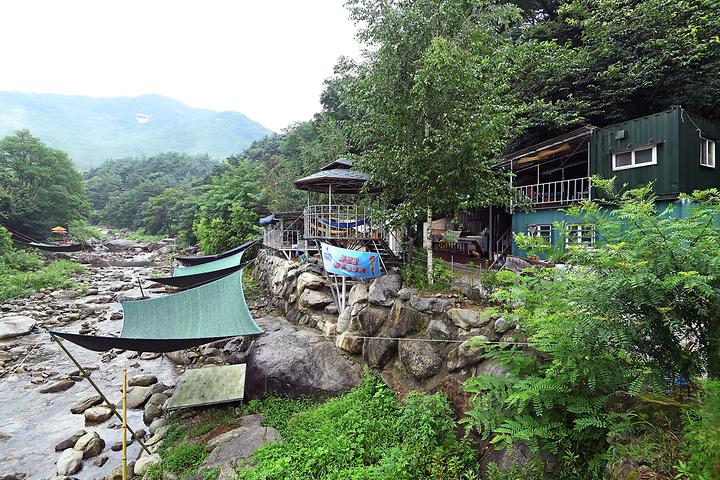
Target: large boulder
467, 318
70, 461
384, 289
142, 380
358, 294
90, 445
297, 362
314, 299
421, 359
137, 396
310, 281
372, 318
144, 463
239, 444
97, 414
15, 325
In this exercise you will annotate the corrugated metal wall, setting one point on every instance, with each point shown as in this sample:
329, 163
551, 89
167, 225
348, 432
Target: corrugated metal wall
661, 129
694, 176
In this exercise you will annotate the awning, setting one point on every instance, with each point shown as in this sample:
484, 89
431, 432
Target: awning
73, 247
192, 276
197, 260
183, 320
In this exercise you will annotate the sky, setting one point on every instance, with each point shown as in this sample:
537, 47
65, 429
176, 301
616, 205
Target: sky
264, 58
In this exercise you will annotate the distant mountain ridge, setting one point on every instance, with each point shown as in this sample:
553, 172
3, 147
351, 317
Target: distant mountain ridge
94, 129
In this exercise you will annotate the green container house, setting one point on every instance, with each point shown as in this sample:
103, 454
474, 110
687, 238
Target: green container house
674, 149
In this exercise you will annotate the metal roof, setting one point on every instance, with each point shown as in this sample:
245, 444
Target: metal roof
337, 174
576, 134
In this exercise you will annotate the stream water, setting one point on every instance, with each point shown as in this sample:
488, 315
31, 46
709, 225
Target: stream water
32, 423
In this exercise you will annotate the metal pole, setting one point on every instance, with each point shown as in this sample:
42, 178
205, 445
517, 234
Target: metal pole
97, 389
142, 292
124, 427
342, 301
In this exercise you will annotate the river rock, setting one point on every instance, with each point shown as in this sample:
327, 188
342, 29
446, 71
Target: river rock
97, 414
120, 245
116, 472
15, 325
421, 359
467, 353
358, 294
343, 321
90, 445
384, 289
157, 424
137, 396
151, 412
239, 443
314, 299
70, 461
378, 352
144, 463
83, 405
14, 476
294, 363
58, 386
310, 281
69, 442
349, 342
502, 325
467, 319
142, 381
372, 318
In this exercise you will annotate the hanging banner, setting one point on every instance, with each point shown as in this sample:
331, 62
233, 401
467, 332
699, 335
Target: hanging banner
350, 263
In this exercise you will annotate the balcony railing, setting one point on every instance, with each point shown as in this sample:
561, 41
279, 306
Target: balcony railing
283, 239
556, 193
341, 222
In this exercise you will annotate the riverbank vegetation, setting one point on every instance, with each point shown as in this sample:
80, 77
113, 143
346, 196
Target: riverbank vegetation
23, 273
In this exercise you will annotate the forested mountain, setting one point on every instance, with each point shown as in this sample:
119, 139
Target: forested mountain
92, 130
158, 194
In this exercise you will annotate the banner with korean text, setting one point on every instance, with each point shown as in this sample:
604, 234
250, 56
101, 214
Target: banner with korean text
350, 263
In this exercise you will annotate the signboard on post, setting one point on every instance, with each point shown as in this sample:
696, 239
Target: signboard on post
350, 263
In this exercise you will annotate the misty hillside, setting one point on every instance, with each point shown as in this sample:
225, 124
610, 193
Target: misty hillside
92, 130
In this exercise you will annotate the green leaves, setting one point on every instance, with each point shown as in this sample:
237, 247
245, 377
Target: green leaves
39, 187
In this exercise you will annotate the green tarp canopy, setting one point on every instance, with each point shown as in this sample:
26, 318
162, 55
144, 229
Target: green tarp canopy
188, 277
214, 266
68, 247
183, 320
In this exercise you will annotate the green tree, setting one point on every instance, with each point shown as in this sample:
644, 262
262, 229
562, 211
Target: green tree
39, 187
228, 207
430, 105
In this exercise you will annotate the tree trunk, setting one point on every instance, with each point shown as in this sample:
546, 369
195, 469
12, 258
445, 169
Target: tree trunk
713, 350
429, 245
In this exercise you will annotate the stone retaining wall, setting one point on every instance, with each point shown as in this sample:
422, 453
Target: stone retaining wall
382, 321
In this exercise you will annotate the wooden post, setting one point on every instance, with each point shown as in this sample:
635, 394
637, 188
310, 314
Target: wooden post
124, 425
97, 389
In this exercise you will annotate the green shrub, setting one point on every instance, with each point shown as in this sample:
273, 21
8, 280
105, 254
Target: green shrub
363, 434
415, 273
701, 445
82, 232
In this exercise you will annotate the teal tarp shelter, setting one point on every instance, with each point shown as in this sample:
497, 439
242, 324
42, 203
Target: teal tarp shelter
186, 319
188, 277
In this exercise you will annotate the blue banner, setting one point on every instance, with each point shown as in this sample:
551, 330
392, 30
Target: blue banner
350, 263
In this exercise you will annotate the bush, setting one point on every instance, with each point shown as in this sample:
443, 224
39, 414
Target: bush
701, 445
23, 272
364, 434
415, 274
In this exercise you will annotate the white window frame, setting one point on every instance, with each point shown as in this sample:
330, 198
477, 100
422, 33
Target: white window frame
708, 146
543, 230
580, 233
632, 158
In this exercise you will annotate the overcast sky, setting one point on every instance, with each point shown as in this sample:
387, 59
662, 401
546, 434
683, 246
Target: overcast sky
264, 58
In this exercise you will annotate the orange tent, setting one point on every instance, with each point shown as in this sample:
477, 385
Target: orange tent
58, 230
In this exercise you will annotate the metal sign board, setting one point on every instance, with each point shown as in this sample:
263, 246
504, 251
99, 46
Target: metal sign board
209, 386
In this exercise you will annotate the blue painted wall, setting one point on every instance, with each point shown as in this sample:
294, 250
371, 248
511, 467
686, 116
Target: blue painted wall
521, 220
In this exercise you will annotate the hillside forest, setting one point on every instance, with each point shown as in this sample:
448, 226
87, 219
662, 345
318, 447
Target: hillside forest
444, 90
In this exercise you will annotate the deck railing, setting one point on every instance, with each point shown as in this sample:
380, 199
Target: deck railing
283, 239
556, 193
341, 222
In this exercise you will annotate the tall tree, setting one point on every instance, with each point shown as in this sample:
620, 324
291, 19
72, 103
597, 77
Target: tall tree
430, 103
39, 187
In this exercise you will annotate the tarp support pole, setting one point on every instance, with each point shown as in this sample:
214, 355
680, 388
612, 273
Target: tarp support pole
124, 425
97, 389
